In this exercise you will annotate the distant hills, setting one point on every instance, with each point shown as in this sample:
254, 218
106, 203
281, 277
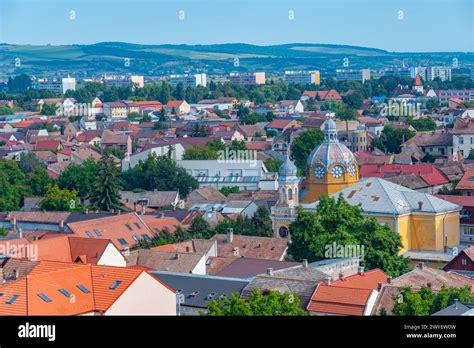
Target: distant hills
113, 57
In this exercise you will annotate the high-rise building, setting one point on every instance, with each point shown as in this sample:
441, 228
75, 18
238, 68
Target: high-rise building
124, 81
257, 78
361, 75
402, 72
188, 80
442, 72
56, 85
303, 77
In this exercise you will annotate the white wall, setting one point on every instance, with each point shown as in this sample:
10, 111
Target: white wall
145, 296
112, 257
159, 151
200, 266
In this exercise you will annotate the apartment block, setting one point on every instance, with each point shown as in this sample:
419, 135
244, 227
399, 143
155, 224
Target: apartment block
361, 75
188, 80
303, 77
257, 78
56, 85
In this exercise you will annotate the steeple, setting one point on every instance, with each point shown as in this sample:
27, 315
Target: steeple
330, 131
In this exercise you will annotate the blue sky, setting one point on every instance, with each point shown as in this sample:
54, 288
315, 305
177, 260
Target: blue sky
427, 25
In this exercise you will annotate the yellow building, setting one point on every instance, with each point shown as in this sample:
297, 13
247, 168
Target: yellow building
331, 167
424, 222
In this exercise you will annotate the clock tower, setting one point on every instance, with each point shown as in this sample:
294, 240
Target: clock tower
331, 167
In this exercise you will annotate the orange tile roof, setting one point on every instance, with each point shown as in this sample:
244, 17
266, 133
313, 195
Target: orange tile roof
467, 181
49, 276
367, 280
115, 228
159, 223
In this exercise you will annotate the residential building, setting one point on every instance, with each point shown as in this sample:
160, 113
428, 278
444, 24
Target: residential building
58, 85
194, 292
466, 184
96, 290
464, 95
331, 94
188, 80
302, 77
116, 140
462, 262
466, 217
361, 75
256, 78
456, 309
139, 201
441, 72
134, 81
436, 143
354, 295
290, 107
177, 107
463, 136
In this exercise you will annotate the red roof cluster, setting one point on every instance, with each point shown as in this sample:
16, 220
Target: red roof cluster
429, 173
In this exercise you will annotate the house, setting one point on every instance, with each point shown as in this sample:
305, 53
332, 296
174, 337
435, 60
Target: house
160, 147
33, 221
177, 107
67, 248
159, 223
90, 137
96, 290
247, 208
115, 140
466, 217
194, 292
250, 131
463, 136
205, 194
199, 246
173, 261
48, 145
119, 110
466, 185
321, 95
246, 268
457, 308
281, 125
12, 269
300, 279
268, 248
420, 276
124, 230
437, 143
464, 261
290, 107
138, 201
84, 153
354, 295
432, 179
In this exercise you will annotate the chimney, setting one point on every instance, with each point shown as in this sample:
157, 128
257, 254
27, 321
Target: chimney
162, 215
230, 235
360, 270
328, 280
420, 265
61, 225
420, 205
456, 303
305, 263
187, 249
20, 233
14, 224
270, 271
379, 286
341, 275
176, 256
389, 280
16, 274
86, 211
118, 211
428, 285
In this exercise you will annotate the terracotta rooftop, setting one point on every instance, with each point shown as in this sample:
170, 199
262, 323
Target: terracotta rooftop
467, 181
165, 260
267, 248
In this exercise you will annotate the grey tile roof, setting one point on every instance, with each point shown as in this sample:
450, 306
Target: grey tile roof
204, 285
245, 268
458, 308
380, 196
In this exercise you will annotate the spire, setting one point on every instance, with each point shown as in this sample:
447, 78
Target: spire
330, 131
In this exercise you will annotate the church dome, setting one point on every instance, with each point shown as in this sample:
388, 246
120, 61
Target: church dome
331, 151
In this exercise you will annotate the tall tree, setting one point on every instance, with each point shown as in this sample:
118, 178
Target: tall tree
303, 145
57, 199
106, 193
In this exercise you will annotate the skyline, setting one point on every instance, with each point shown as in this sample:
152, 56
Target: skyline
161, 22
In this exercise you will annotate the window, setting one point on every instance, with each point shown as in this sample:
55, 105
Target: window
83, 288
122, 241
138, 225
44, 297
98, 233
146, 237
464, 262
115, 285
65, 292
12, 299
461, 140
129, 227
90, 235
136, 238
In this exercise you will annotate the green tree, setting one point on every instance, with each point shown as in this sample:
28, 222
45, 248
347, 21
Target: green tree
391, 139
227, 190
80, 177
422, 124
57, 199
28, 162
160, 173
425, 302
49, 109
258, 303
13, 185
354, 100
262, 222
106, 193
336, 222
199, 228
273, 164
303, 145
39, 181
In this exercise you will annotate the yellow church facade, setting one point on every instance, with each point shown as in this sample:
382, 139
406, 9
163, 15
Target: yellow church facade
424, 222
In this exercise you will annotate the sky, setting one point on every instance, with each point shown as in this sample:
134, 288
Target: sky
393, 25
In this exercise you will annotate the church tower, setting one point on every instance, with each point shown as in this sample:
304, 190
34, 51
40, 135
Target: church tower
330, 168
284, 212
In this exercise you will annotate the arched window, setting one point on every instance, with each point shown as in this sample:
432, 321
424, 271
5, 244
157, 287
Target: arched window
290, 194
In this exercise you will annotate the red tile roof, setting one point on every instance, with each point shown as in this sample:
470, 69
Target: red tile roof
429, 173
47, 145
467, 181
464, 201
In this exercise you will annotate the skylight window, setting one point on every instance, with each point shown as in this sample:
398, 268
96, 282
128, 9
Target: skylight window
136, 238
146, 237
98, 233
12, 299
44, 297
157, 230
115, 285
122, 241
129, 227
65, 292
83, 288
89, 234
138, 225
